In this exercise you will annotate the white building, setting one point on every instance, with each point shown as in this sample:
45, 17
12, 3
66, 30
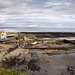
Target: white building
2, 35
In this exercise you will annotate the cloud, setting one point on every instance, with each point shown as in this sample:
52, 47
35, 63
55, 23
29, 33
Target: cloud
37, 13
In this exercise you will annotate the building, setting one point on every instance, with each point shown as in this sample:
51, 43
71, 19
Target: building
2, 35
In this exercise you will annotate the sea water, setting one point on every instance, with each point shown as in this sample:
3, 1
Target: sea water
35, 29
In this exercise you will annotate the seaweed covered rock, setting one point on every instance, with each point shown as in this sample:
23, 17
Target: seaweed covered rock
15, 57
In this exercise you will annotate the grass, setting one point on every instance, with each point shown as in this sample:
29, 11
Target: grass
9, 72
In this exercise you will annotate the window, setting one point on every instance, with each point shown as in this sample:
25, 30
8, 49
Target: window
2, 34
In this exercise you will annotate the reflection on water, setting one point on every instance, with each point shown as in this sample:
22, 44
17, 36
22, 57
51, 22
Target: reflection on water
67, 38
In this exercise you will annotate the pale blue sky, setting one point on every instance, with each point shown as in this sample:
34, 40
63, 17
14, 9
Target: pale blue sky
37, 13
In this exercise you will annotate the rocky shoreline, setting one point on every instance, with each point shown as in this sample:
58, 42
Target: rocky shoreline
38, 62
29, 55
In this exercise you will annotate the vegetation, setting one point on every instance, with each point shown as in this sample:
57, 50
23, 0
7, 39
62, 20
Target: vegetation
9, 72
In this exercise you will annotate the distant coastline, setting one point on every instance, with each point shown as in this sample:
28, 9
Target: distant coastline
35, 29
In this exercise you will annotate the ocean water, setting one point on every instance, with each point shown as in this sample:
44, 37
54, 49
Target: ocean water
35, 29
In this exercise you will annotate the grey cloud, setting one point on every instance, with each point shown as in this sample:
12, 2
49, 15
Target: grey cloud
15, 7
36, 12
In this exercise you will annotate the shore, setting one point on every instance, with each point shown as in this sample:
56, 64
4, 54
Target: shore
39, 54
39, 62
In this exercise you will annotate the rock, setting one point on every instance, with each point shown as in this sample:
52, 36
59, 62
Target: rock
71, 68
18, 56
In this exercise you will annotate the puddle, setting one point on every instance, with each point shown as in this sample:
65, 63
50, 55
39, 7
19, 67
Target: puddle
50, 54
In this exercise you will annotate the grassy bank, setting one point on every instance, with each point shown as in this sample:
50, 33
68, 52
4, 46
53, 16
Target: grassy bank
9, 72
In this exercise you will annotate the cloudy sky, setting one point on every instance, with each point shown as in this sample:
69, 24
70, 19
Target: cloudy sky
37, 13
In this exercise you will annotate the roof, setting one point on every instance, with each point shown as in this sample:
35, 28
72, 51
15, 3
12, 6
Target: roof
0, 32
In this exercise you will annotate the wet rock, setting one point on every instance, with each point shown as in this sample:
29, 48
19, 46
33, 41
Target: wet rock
32, 65
15, 57
8, 63
71, 70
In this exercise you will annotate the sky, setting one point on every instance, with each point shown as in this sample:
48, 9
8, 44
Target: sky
37, 13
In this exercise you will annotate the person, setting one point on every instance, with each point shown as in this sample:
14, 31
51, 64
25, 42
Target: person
17, 44
5, 38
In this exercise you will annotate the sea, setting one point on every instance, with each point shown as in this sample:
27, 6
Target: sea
35, 29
